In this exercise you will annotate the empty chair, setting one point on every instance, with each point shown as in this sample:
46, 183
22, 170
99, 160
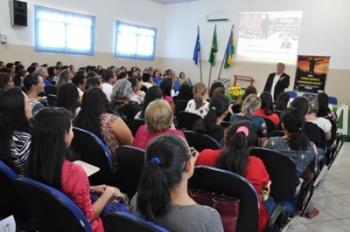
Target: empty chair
333, 100
292, 94
201, 141
92, 150
51, 209
10, 201
230, 184
128, 222
131, 161
186, 120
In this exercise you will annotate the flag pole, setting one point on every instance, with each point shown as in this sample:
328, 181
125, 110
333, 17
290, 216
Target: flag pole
211, 66
200, 60
223, 60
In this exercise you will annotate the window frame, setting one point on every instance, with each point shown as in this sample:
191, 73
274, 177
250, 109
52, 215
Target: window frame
134, 56
65, 49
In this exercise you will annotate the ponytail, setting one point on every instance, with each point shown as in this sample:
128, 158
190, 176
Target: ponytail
198, 100
235, 155
153, 193
162, 171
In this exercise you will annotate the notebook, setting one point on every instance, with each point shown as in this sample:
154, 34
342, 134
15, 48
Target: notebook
89, 169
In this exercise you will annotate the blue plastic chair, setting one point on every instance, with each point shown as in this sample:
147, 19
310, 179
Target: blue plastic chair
92, 150
128, 222
201, 141
10, 201
333, 100
292, 94
51, 209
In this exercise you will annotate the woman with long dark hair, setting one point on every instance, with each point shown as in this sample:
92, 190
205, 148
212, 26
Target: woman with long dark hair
34, 85
47, 163
68, 98
162, 195
97, 117
15, 130
210, 124
297, 146
166, 86
282, 101
235, 157
323, 108
266, 110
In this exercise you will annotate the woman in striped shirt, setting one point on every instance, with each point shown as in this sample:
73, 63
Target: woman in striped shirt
15, 135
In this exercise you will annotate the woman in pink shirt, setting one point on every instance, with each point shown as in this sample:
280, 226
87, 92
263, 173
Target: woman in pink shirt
51, 136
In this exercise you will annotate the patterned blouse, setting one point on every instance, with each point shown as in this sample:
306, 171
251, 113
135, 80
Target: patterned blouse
302, 159
109, 137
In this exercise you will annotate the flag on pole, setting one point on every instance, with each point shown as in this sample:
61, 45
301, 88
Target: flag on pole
214, 49
230, 50
197, 48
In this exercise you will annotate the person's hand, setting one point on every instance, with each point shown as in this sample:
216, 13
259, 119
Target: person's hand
115, 193
99, 189
281, 78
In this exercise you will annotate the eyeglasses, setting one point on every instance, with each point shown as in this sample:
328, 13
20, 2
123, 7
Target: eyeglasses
193, 152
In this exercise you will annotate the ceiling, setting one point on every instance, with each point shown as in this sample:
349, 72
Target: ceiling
165, 2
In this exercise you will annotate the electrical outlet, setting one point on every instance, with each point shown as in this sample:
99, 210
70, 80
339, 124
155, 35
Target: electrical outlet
3, 38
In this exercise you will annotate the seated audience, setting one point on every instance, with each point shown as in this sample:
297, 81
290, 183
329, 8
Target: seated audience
109, 79
92, 82
97, 117
121, 101
297, 146
214, 86
79, 82
166, 201
321, 122
64, 77
282, 101
48, 163
266, 109
166, 86
147, 81
183, 79
68, 98
18, 79
235, 157
136, 94
15, 130
34, 85
153, 93
159, 120
199, 104
323, 108
250, 105
210, 124
6, 81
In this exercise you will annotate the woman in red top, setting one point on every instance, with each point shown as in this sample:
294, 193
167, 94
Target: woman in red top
266, 110
239, 138
51, 136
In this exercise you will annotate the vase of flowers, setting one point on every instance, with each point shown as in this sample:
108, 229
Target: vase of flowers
234, 93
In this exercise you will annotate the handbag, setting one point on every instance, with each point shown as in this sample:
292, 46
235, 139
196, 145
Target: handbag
228, 207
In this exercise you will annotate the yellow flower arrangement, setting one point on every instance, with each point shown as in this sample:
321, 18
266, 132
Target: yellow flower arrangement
235, 92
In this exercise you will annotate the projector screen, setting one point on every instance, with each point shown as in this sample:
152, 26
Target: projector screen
269, 36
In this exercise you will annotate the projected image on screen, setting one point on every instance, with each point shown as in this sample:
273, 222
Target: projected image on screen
269, 36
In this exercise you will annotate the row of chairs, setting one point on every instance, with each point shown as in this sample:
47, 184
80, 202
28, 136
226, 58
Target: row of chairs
48, 209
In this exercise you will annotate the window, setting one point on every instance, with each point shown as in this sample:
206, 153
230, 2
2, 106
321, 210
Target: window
63, 32
133, 41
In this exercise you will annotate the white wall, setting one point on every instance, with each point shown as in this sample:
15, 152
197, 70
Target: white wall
324, 31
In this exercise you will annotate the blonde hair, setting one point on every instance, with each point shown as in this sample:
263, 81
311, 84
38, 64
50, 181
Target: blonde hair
199, 90
250, 104
158, 116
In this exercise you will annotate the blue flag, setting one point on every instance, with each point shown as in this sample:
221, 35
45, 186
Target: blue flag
197, 48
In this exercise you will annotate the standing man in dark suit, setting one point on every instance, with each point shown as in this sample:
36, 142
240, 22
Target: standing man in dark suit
277, 82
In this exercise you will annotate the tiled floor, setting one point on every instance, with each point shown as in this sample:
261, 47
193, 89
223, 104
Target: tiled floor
332, 198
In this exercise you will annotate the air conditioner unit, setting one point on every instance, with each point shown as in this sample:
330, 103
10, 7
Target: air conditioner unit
219, 16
